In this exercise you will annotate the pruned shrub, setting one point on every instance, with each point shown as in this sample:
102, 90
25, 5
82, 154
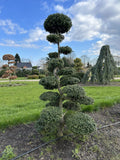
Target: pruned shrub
33, 77
41, 76
55, 63
67, 71
53, 55
74, 92
49, 120
49, 82
67, 80
86, 100
78, 75
50, 96
71, 105
80, 123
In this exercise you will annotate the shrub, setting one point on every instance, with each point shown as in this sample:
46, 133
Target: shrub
55, 63
67, 71
41, 76
71, 105
67, 80
80, 123
49, 82
74, 92
49, 120
53, 55
78, 75
33, 77
12, 77
2, 72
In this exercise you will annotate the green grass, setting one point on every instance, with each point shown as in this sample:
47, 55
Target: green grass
21, 104
104, 96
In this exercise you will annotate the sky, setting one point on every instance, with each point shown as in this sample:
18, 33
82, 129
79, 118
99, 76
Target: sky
94, 23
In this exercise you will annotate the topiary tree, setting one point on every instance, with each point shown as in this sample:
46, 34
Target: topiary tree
104, 69
54, 119
10, 68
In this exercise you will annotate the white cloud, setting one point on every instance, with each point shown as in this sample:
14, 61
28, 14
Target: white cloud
96, 19
11, 43
59, 8
11, 28
36, 35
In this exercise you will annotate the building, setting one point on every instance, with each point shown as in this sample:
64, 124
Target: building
24, 65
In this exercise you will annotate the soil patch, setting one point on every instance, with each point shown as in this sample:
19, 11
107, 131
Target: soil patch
104, 144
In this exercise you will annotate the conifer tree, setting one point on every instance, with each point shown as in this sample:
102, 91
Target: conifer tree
104, 69
54, 118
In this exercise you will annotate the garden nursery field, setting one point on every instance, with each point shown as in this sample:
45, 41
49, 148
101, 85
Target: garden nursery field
20, 107
20, 104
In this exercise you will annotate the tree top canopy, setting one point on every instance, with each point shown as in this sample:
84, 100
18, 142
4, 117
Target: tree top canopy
8, 57
57, 23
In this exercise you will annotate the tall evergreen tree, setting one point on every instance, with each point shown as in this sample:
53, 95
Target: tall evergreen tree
104, 69
17, 58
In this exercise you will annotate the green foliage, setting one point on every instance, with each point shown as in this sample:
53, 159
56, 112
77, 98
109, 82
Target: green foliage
41, 76
74, 92
67, 80
33, 76
35, 71
104, 69
2, 72
49, 120
8, 153
78, 64
86, 100
67, 62
78, 75
53, 55
65, 50
49, 82
23, 73
17, 58
55, 63
71, 105
67, 71
55, 38
80, 123
53, 97
57, 23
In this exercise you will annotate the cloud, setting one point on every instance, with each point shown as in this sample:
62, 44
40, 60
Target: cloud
36, 35
59, 8
96, 20
11, 43
11, 28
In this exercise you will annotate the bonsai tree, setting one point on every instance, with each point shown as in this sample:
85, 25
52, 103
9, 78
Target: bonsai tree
10, 68
55, 118
104, 69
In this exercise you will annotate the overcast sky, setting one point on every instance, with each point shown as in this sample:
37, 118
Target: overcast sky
95, 23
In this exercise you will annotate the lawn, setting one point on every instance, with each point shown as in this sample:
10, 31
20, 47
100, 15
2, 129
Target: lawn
21, 104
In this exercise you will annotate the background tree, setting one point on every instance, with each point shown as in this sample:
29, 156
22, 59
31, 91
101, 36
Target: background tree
78, 64
104, 69
54, 119
17, 59
10, 69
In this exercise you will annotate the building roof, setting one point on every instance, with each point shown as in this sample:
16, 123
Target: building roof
24, 65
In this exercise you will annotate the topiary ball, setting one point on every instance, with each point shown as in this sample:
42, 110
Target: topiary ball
49, 82
49, 120
80, 123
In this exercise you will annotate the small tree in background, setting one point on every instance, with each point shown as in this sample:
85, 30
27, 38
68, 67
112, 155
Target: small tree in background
10, 68
104, 69
54, 118
17, 59
78, 64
